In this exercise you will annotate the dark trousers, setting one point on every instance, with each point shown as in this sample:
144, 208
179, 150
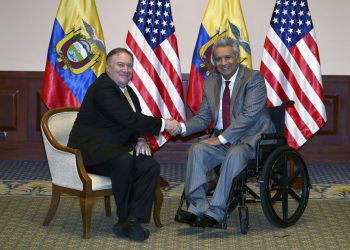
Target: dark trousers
134, 181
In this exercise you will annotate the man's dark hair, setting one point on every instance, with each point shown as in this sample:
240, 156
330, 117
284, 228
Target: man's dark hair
118, 51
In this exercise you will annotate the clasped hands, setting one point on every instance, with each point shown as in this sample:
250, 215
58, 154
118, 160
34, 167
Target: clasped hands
172, 126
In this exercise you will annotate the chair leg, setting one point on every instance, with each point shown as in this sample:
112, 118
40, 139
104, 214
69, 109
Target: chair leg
55, 200
86, 204
158, 201
108, 206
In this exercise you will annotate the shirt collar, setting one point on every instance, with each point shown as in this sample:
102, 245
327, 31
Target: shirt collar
232, 79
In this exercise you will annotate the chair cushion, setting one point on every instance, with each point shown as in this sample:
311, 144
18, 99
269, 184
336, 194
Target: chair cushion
100, 182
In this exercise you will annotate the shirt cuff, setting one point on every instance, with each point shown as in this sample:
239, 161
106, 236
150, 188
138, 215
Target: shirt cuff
163, 125
183, 128
222, 139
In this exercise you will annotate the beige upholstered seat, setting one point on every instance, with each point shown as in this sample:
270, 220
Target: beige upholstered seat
68, 172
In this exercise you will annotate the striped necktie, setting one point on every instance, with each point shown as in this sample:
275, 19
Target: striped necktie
226, 100
126, 93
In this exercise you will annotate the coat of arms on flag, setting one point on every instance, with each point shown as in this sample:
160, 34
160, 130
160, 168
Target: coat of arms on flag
80, 49
221, 18
76, 54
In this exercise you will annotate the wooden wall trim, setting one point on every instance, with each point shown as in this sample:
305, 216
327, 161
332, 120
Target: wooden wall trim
21, 109
8, 109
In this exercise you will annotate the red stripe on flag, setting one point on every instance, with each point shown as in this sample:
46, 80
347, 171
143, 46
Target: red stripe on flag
291, 140
55, 92
273, 82
307, 72
309, 106
149, 68
173, 42
171, 71
152, 140
296, 56
311, 43
312, 81
269, 103
154, 144
176, 81
146, 96
276, 85
195, 90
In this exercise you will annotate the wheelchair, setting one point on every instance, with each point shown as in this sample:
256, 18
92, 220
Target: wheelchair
281, 174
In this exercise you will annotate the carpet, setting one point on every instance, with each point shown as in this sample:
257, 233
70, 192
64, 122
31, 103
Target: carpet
324, 225
25, 189
43, 188
329, 181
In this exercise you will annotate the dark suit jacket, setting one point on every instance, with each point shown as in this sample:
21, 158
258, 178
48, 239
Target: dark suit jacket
106, 125
249, 114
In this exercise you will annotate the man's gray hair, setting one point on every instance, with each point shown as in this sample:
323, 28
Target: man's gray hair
227, 41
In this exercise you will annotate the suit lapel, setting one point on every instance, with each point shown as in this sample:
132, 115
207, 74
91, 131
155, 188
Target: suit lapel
132, 94
236, 87
217, 90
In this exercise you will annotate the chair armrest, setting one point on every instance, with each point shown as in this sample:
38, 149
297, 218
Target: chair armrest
64, 161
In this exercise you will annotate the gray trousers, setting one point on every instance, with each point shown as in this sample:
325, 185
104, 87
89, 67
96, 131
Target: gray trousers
202, 158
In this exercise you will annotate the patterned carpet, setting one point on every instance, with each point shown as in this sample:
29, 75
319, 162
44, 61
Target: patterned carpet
33, 178
25, 191
324, 225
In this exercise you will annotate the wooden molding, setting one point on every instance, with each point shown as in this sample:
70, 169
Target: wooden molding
21, 109
8, 109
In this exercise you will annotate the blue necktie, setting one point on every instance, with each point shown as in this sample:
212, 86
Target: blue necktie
226, 100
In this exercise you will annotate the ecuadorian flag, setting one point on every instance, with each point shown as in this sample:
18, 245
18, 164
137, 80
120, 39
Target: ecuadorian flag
221, 18
76, 54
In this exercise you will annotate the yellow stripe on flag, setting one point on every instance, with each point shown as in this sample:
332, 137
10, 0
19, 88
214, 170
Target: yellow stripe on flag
75, 14
225, 18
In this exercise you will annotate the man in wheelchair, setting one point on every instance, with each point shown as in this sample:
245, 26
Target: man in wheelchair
235, 100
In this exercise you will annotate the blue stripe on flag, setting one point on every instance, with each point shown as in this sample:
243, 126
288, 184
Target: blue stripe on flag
202, 39
77, 83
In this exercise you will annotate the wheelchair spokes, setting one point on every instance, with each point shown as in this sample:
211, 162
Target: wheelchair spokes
284, 187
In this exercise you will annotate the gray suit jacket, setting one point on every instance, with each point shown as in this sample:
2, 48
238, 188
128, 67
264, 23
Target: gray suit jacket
249, 115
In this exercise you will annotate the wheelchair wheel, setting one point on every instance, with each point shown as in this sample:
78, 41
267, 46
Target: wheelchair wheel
243, 219
284, 187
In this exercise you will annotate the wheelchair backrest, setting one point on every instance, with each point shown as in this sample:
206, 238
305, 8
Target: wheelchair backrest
277, 115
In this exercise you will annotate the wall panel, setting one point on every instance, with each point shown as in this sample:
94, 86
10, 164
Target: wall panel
8, 109
21, 109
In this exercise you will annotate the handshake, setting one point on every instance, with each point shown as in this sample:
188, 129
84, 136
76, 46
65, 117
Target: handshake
172, 126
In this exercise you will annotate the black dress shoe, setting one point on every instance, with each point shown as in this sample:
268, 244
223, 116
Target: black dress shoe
186, 217
132, 229
207, 221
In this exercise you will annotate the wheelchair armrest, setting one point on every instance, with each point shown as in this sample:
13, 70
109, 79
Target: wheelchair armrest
263, 149
272, 136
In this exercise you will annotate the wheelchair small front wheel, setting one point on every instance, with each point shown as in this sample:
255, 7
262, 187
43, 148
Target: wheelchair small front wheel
284, 187
243, 219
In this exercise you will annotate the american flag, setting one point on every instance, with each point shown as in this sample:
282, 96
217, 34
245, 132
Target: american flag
291, 67
157, 74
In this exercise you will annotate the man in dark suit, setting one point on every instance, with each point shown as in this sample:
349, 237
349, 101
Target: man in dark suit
109, 131
235, 100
